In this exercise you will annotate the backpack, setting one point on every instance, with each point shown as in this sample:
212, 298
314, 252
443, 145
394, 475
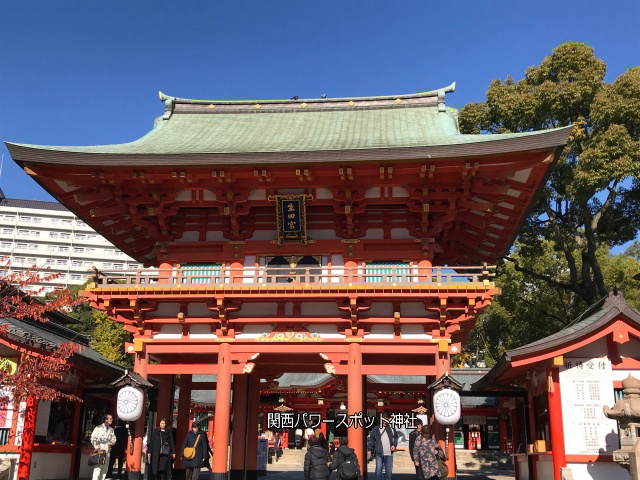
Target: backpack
348, 469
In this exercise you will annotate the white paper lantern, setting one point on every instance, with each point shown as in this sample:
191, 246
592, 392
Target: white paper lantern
130, 403
446, 406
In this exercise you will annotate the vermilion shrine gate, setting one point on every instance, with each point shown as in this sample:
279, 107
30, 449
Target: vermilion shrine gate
353, 236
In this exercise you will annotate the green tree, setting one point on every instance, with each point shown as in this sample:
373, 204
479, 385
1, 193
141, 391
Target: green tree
530, 308
107, 337
593, 195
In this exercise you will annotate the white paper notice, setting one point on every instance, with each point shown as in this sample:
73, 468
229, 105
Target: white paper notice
586, 385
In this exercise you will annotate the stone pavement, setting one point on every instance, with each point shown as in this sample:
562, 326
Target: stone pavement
485, 474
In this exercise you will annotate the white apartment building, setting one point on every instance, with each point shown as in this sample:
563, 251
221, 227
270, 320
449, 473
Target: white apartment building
46, 234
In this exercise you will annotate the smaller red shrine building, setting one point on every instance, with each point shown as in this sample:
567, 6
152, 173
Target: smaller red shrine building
569, 377
62, 428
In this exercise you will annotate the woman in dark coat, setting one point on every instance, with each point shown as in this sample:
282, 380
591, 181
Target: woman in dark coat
196, 438
160, 458
315, 461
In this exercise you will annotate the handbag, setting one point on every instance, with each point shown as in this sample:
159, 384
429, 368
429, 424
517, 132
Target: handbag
443, 468
97, 457
165, 449
189, 453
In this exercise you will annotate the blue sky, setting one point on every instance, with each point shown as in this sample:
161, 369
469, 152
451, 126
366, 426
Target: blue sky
87, 72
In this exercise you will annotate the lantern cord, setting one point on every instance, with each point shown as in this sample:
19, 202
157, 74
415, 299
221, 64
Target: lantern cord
446, 441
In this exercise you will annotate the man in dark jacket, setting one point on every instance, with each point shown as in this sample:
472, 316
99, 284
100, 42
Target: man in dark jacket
315, 461
382, 442
341, 456
412, 443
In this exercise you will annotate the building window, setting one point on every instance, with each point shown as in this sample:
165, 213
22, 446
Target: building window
66, 223
22, 246
76, 263
91, 237
62, 276
118, 266
109, 251
9, 218
53, 234
19, 260
23, 232
119, 253
63, 249
55, 221
52, 248
106, 265
25, 219
80, 223
33, 246
47, 261
35, 233
61, 262
6, 244
387, 272
37, 220
76, 277
78, 250
65, 235
81, 236
31, 260
7, 231
88, 264
133, 265
91, 250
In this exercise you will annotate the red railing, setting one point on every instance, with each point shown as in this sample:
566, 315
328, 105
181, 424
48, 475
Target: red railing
336, 276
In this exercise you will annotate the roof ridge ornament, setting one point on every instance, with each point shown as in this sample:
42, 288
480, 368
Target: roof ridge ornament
169, 103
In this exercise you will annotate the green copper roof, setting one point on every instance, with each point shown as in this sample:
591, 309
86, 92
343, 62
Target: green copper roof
196, 127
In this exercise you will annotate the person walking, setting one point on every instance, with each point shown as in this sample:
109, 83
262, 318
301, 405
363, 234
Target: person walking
345, 461
277, 446
426, 453
118, 452
102, 439
298, 438
412, 442
316, 461
382, 442
160, 452
197, 440
323, 441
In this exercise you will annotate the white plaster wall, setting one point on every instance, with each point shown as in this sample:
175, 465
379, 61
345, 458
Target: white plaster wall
399, 192
416, 309
593, 350
414, 332
258, 194
630, 349
189, 236
380, 331
320, 309
325, 330
264, 235
523, 470
323, 193
49, 466
325, 234
373, 192
521, 175
201, 331
258, 309
169, 331
288, 309
374, 234
214, 236
165, 310
400, 233
380, 309
249, 268
15, 458
199, 310
596, 471
619, 375
337, 264
254, 331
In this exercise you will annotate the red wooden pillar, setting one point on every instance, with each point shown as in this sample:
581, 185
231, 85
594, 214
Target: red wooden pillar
355, 400
555, 421
443, 365
323, 425
28, 433
165, 397
134, 458
238, 428
236, 272
165, 272
424, 270
502, 429
252, 425
75, 426
223, 406
351, 271
184, 415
